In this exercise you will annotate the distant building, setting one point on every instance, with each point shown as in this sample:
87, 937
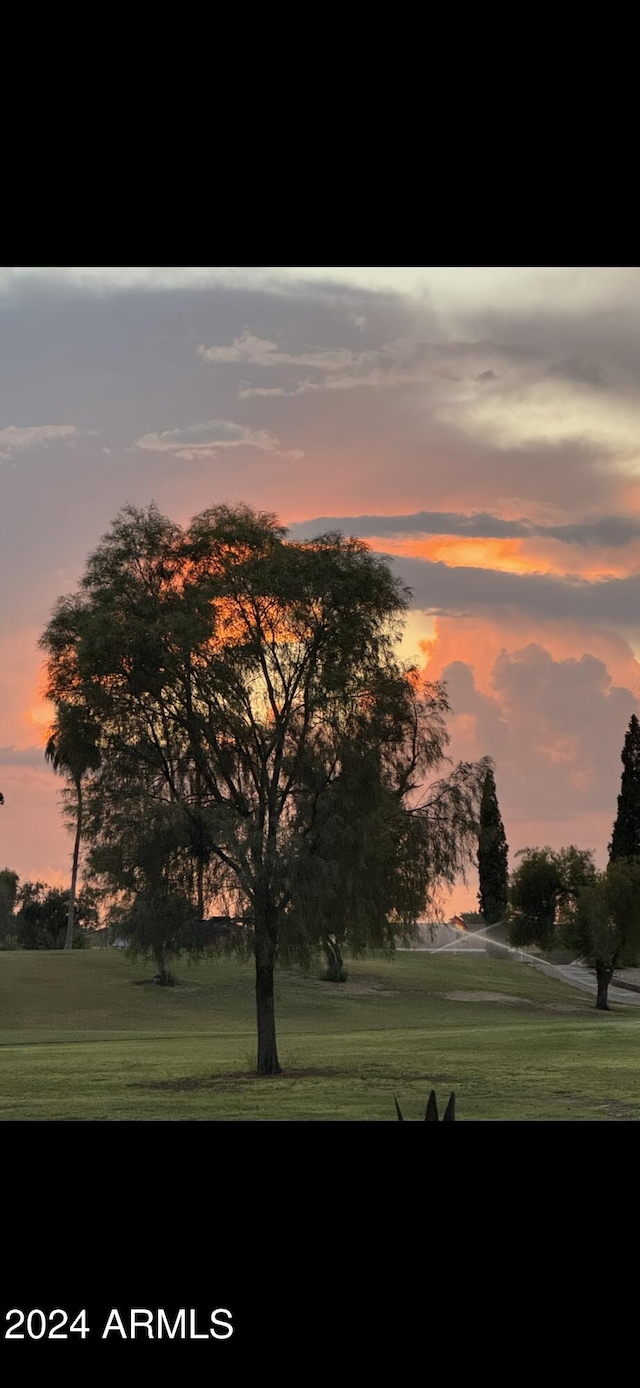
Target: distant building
458, 922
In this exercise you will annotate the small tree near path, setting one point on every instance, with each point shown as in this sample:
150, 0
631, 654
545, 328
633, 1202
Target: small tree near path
605, 929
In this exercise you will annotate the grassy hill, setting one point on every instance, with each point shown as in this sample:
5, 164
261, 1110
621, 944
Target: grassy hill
88, 1036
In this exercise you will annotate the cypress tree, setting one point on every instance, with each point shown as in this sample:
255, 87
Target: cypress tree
625, 842
492, 856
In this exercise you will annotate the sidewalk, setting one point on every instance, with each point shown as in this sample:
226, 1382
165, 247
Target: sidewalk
581, 977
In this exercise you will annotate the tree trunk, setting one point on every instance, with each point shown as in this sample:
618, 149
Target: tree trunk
200, 886
266, 948
604, 974
68, 943
200, 854
162, 975
336, 972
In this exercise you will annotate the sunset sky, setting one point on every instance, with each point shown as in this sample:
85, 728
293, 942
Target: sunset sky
480, 425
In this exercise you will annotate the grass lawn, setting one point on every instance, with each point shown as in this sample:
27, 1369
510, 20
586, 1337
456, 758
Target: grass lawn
87, 1036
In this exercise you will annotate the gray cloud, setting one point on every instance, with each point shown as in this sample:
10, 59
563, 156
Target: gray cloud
573, 369
14, 440
22, 756
588, 344
611, 531
206, 440
402, 361
555, 729
440, 589
257, 351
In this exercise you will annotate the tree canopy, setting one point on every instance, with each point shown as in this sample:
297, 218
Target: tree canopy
543, 892
249, 688
40, 921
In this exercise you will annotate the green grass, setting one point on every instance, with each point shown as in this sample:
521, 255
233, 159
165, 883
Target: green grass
81, 1038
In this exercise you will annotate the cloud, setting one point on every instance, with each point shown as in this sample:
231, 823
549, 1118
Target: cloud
21, 756
119, 279
207, 440
439, 588
258, 351
572, 291
14, 440
502, 391
555, 729
418, 523
447, 364
613, 531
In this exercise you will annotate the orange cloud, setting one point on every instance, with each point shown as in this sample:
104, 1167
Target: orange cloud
479, 642
519, 556
506, 555
39, 717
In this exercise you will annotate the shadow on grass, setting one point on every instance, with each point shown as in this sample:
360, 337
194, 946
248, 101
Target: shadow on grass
231, 1080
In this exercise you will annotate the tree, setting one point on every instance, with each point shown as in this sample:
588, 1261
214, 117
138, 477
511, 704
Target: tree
43, 913
8, 890
544, 890
493, 852
157, 923
257, 663
141, 858
625, 842
72, 750
605, 927
473, 920
376, 857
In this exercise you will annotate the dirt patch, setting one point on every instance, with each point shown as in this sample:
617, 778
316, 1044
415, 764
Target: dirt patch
357, 990
232, 1080
511, 998
427, 1079
179, 985
487, 997
561, 1007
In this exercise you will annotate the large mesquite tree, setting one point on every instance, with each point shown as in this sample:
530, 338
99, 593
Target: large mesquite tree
238, 670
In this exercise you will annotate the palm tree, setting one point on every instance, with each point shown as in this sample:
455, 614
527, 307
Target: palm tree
72, 751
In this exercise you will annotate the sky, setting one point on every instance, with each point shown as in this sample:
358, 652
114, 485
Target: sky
479, 425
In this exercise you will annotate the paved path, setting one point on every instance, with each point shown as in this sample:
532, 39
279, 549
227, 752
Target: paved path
578, 975
581, 977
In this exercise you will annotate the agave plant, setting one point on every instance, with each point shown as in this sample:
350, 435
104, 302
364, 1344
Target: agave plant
431, 1115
